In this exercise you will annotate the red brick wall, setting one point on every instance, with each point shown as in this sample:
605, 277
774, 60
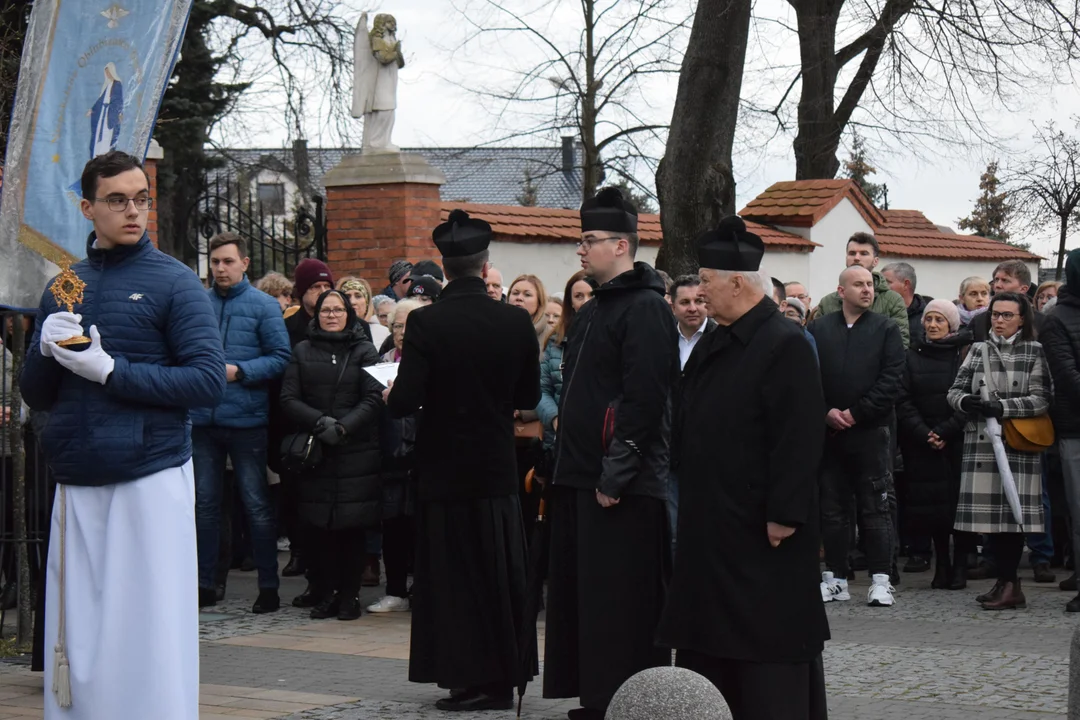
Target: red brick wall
151, 220
371, 226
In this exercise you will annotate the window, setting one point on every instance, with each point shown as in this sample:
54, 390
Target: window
272, 198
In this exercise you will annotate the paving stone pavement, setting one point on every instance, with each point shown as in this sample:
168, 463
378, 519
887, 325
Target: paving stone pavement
934, 656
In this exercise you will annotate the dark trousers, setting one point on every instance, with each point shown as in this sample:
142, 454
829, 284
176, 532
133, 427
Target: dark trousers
247, 449
1008, 549
398, 547
763, 691
337, 558
856, 463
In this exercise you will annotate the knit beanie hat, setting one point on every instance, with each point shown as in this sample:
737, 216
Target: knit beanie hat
946, 308
309, 272
398, 270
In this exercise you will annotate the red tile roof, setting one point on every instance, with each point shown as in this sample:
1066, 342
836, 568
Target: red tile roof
802, 203
908, 220
946, 246
534, 224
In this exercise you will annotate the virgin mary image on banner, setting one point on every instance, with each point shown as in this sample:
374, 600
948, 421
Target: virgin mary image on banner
106, 114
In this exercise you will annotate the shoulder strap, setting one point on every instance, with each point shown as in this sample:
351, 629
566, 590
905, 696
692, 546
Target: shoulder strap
988, 377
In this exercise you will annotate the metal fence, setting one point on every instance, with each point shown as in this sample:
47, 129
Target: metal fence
25, 505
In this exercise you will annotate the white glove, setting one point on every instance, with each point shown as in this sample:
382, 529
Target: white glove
93, 363
59, 326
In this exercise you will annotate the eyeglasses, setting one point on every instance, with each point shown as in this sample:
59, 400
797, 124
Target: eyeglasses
802, 296
1006, 316
332, 312
397, 327
120, 204
588, 243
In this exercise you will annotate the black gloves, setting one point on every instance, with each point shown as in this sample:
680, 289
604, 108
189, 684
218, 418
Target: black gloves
328, 430
973, 405
970, 404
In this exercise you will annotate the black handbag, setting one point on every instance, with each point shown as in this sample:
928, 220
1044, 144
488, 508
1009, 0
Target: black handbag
302, 451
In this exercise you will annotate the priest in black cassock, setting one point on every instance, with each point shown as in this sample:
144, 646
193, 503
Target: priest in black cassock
466, 364
744, 607
610, 545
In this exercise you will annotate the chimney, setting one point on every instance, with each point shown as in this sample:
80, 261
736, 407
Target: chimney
568, 154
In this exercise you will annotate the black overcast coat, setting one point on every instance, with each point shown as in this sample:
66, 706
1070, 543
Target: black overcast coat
1060, 337
620, 363
345, 490
468, 362
932, 476
751, 436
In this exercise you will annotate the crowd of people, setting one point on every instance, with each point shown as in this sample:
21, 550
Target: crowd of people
662, 441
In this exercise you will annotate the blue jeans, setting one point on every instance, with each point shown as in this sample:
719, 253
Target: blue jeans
247, 449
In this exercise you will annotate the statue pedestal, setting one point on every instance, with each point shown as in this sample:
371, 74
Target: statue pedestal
380, 207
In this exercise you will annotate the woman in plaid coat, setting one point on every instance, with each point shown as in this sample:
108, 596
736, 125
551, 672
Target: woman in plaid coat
1019, 387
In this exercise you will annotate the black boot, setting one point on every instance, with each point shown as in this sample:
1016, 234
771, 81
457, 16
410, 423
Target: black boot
296, 565
958, 580
350, 608
941, 573
309, 598
267, 602
207, 597
328, 608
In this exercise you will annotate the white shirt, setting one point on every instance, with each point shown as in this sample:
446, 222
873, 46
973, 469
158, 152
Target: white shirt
686, 345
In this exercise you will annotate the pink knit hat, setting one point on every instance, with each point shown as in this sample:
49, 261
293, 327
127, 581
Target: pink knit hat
946, 308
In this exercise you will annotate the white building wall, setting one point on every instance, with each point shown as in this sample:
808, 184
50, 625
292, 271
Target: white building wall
832, 233
553, 263
941, 278
786, 266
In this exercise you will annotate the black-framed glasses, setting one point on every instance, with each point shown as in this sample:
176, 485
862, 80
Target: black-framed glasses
588, 243
332, 312
397, 327
119, 204
1006, 316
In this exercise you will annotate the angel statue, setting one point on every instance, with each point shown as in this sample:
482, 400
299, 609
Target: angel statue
377, 56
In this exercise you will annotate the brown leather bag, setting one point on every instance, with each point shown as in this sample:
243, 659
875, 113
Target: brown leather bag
1034, 434
533, 429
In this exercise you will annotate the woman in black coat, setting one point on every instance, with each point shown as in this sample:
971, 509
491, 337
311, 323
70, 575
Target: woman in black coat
931, 436
327, 392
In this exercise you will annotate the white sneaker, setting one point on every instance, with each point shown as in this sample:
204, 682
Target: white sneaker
283, 545
881, 592
389, 603
833, 589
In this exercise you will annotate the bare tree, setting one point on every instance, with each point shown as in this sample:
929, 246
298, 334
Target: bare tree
1045, 189
916, 70
239, 61
585, 67
695, 181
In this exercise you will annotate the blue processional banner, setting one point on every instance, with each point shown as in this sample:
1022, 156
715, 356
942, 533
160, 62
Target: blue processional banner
91, 80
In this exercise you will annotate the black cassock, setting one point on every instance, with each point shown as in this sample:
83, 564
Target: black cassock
749, 434
468, 362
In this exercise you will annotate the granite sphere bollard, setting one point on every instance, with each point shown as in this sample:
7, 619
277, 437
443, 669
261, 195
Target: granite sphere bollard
668, 693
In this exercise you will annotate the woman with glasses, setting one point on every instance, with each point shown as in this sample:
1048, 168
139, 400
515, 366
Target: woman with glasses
1016, 386
327, 392
359, 293
399, 484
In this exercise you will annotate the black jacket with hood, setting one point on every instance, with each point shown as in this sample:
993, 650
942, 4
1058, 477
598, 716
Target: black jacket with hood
620, 363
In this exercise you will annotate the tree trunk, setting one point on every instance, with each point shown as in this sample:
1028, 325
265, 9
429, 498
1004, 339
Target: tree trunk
819, 133
1063, 228
695, 183
591, 170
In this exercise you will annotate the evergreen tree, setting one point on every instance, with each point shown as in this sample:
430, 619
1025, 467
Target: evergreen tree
859, 169
631, 192
194, 102
992, 212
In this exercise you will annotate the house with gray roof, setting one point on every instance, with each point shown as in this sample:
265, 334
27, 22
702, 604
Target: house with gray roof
548, 177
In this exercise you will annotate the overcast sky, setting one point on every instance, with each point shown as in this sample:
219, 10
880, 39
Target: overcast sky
434, 111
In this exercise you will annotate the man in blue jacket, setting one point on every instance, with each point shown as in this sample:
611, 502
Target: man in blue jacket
121, 620
256, 352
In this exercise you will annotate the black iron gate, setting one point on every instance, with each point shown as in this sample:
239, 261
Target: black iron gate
277, 240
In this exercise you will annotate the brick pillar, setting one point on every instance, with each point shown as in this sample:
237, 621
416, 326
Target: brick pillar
380, 208
153, 155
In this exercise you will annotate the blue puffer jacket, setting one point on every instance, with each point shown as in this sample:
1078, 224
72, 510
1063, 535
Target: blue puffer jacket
253, 333
550, 389
156, 322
